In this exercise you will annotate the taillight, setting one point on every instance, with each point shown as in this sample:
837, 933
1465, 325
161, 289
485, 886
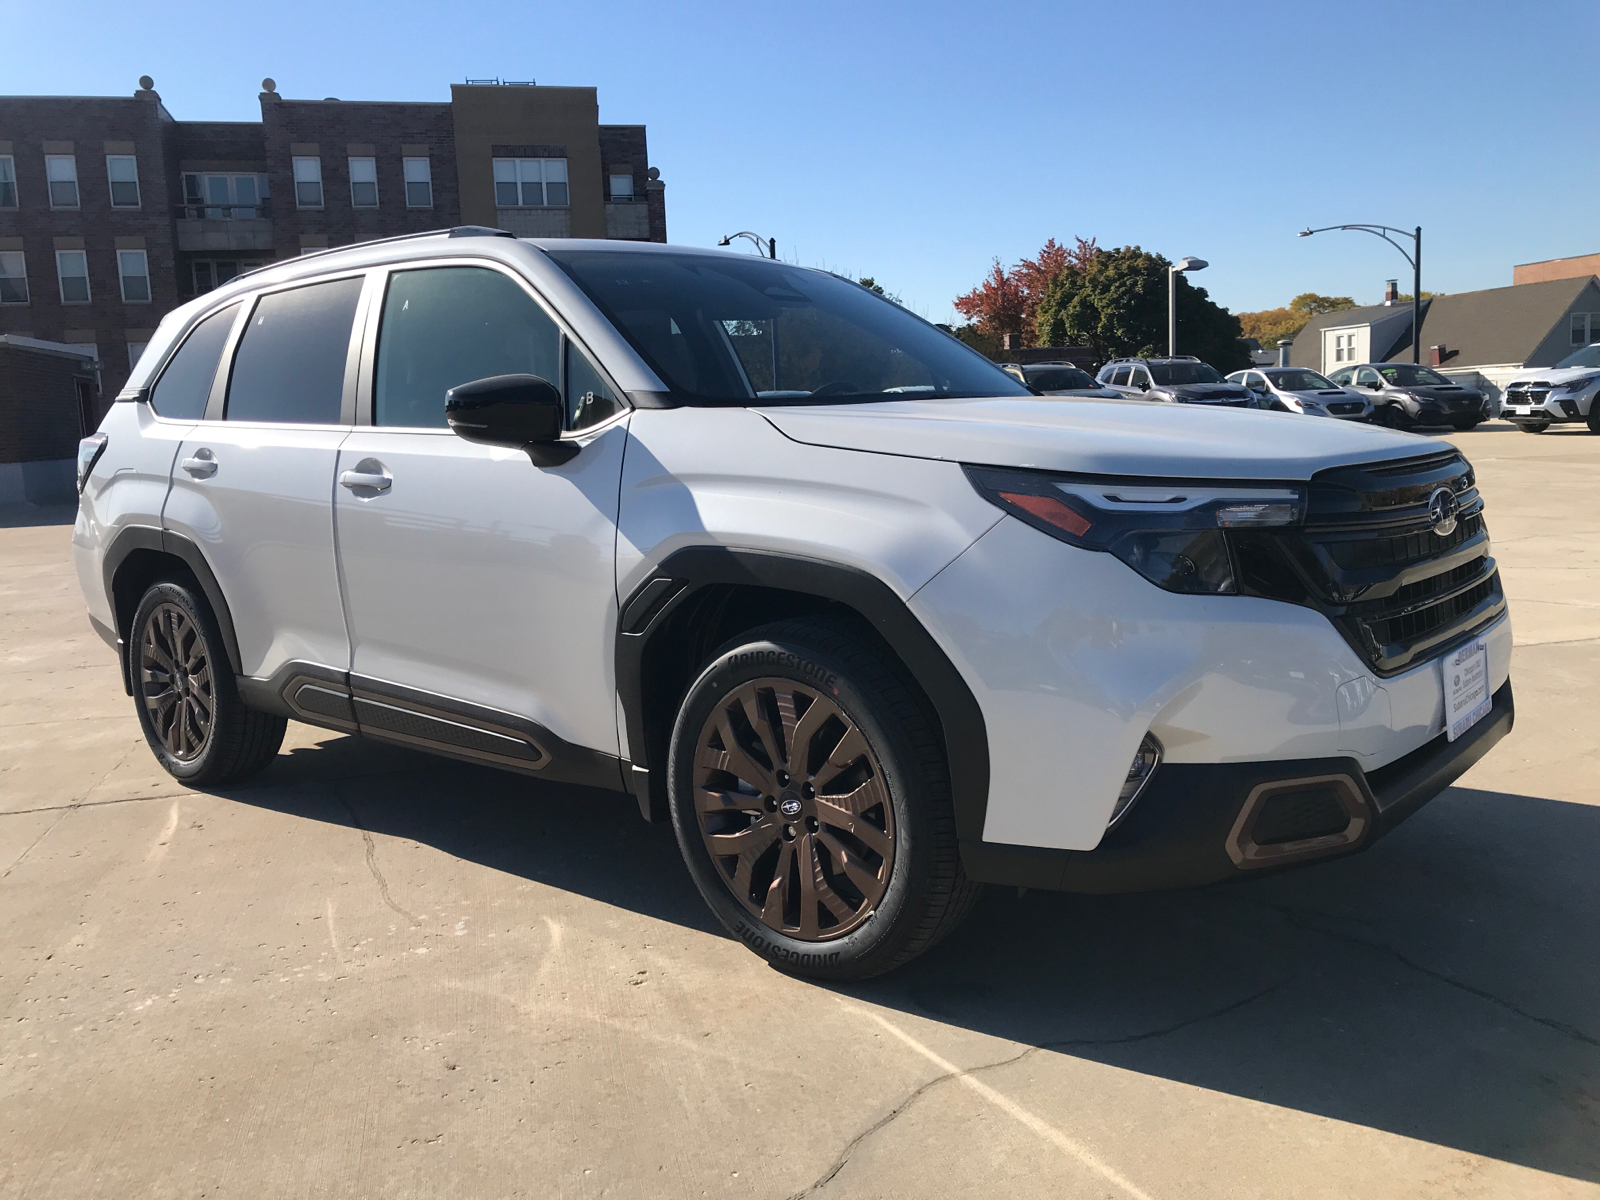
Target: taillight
89, 452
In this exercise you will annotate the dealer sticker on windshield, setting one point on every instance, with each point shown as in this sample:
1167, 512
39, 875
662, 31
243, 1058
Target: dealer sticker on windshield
1466, 688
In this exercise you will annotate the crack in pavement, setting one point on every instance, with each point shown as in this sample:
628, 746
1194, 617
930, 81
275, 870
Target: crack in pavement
1301, 921
65, 810
1061, 1044
19, 812
372, 858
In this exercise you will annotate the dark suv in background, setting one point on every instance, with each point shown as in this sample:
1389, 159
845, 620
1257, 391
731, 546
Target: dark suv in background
1408, 394
1181, 380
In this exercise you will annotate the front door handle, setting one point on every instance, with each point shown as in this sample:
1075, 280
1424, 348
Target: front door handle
376, 480
202, 464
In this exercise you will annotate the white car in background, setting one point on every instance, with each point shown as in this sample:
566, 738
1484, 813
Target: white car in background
1562, 394
1297, 390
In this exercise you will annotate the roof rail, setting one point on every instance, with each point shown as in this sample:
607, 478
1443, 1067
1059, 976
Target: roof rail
458, 231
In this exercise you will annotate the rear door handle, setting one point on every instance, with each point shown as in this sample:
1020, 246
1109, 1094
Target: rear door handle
202, 465
365, 479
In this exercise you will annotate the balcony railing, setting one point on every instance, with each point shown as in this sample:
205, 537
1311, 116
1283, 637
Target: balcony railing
237, 212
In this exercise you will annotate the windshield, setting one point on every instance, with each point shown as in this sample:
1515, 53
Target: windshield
1299, 381
1060, 379
1411, 375
1176, 374
732, 330
1589, 356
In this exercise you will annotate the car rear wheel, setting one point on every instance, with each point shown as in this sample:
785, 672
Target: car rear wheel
811, 801
187, 701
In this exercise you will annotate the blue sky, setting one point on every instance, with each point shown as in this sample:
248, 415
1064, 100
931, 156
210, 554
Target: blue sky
915, 142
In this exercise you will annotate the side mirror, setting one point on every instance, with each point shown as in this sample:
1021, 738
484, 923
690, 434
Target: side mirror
523, 411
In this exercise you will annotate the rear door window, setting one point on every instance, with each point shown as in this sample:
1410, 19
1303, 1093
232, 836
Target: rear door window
185, 386
290, 365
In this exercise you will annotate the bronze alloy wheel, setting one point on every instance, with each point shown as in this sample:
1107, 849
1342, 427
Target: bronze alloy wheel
792, 805
175, 681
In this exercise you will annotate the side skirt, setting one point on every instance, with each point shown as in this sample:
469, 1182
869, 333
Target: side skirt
438, 724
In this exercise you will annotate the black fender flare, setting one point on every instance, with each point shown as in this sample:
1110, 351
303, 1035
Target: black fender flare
643, 615
163, 541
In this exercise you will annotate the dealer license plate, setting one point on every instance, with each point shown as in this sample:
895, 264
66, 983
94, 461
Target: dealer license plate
1466, 688
1522, 410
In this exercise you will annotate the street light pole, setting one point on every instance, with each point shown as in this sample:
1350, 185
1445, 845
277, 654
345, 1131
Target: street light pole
1188, 263
769, 246
1414, 258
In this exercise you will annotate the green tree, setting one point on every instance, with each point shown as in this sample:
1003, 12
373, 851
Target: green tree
1117, 305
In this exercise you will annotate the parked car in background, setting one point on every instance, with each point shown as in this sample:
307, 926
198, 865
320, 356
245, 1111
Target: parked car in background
1059, 379
1181, 380
1408, 394
1562, 394
1297, 390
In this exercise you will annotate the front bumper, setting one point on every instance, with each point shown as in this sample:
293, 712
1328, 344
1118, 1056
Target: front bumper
1202, 823
1553, 410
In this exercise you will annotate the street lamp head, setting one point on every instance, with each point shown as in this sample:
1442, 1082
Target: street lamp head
1191, 263
1306, 232
724, 242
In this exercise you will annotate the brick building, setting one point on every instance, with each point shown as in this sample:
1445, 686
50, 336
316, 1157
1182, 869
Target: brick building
112, 212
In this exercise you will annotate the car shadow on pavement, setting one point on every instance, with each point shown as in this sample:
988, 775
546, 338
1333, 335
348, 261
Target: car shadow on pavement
1441, 986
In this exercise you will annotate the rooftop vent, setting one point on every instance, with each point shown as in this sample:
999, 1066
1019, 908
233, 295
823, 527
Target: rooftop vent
502, 82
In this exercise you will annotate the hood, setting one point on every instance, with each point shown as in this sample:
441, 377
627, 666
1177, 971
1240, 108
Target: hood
1190, 393
1552, 375
1439, 391
1100, 437
1103, 393
1327, 395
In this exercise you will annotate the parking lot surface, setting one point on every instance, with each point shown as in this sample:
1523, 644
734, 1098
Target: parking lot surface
373, 973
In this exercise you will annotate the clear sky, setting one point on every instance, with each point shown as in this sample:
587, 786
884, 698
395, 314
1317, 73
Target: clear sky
915, 142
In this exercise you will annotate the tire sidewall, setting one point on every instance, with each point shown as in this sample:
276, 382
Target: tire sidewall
175, 592
872, 946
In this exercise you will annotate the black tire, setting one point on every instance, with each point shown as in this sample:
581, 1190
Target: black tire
1533, 426
924, 893
1390, 416
199, 750
1594, 414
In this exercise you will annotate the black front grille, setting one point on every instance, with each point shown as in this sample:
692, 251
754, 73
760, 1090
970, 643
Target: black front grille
1344, 409
1369, 558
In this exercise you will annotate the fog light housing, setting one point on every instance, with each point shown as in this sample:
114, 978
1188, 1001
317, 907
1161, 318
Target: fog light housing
1140, 773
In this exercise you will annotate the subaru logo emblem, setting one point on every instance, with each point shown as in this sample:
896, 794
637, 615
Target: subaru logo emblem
1442, 510
789, 806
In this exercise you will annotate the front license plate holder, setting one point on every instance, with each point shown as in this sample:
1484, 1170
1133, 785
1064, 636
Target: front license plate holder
1464, 675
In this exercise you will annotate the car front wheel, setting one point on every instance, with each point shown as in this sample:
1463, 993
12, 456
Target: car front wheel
811, 801
187, 701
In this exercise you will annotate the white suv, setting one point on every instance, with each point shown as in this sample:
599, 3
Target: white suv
1565, 393
865, 620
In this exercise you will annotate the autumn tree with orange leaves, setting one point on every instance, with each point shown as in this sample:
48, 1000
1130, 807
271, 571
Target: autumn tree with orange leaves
1008, 301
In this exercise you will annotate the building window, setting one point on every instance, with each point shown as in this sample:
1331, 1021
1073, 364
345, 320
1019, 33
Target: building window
364, 182
123, 171
134, 268
61, 170
135, 349
308, 183
8, 181
1585, 328
72, 269
210, 273
13, 277
622, 187
1344, 347
419, 183
530, 182
224, 197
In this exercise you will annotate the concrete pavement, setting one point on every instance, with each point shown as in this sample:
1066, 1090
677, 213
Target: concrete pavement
374, 973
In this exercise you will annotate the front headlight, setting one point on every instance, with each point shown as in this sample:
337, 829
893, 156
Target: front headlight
1579, 384
1172, 534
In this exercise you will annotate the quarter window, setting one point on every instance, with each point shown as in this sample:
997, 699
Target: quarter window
72, 270
61, 171
13, 277
1119, 377
134, 268
445, 326
185, 386
364, 182
308, 182
590, 399
123, 172
291, 362
419, 183
8, 181
530, 182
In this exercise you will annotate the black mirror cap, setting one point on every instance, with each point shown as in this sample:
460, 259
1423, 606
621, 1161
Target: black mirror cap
506, 410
